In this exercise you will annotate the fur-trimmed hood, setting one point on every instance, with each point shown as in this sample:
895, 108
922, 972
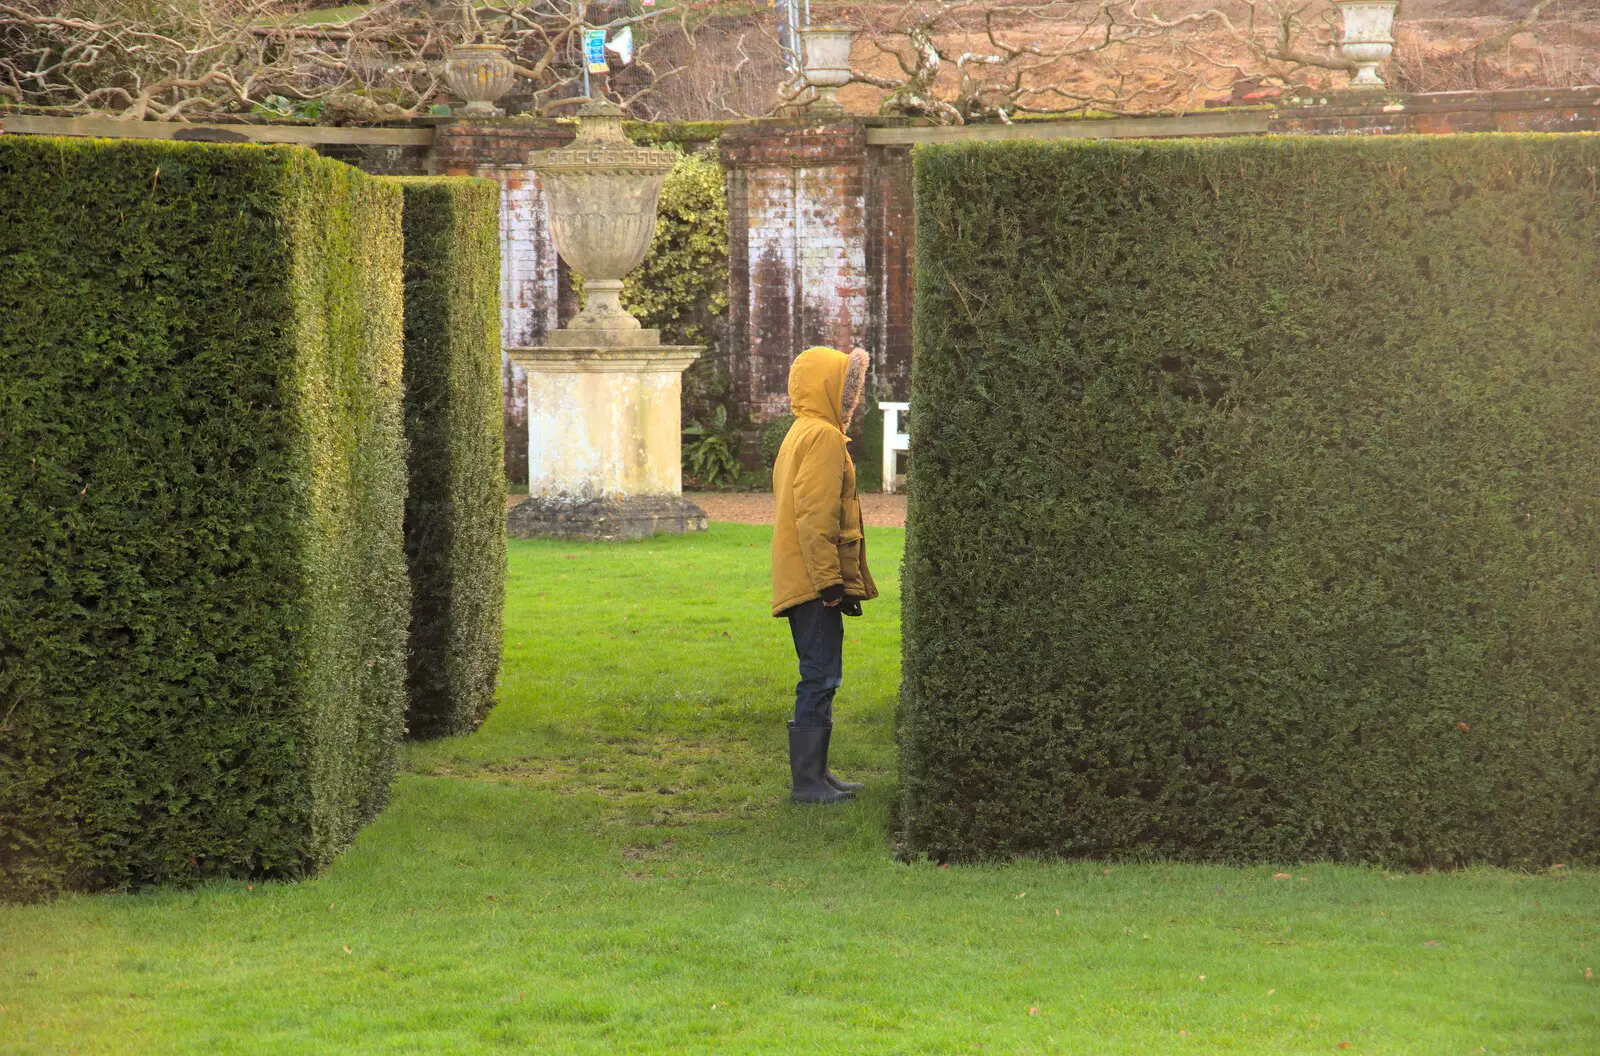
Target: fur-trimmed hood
828, 384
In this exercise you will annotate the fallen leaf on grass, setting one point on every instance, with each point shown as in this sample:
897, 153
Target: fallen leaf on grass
1183, 1033
1462, 726
1588, 973
1033, 1010
1344, 1044
1022, 894
1431, 942
1272, 991
1202, 978
348, 950
1281, 876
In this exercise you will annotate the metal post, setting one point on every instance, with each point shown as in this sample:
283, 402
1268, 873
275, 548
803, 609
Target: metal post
583, 48
792, 14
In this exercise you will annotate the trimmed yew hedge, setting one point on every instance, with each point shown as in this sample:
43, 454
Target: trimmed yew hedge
203, 593
1255, 512
456, 505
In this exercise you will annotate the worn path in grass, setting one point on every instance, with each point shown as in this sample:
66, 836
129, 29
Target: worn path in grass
609, 866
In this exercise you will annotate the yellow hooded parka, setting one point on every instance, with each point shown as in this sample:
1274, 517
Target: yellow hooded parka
817, 539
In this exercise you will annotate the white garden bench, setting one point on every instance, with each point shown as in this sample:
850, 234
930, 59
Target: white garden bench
895, 439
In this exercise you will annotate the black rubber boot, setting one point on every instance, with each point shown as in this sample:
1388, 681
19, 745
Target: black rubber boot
829, 776
808, 747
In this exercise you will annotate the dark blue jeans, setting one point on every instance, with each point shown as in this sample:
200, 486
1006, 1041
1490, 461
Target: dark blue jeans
818, 633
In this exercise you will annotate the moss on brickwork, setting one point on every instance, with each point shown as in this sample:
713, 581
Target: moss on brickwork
686, 135
455, 506
203, 596
1255, 512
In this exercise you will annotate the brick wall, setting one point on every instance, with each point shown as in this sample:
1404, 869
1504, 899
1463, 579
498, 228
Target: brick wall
798, 250
1519, 110
380, 160
530, 273
891, 243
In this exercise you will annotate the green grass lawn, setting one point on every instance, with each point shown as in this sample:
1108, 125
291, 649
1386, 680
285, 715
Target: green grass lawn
610, 865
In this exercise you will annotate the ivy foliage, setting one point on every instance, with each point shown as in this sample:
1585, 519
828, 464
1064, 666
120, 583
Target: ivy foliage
203, 592
455, 503
1255, 513
682, 285
772, 437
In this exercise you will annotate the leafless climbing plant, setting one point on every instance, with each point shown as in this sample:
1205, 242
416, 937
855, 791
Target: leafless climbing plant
965, 60
148, 59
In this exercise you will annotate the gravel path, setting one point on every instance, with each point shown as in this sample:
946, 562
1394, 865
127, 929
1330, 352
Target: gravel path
755, 507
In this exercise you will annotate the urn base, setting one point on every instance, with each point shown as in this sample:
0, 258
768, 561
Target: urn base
604, 520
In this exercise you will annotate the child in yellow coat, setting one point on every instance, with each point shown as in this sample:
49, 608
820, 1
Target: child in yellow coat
819, 553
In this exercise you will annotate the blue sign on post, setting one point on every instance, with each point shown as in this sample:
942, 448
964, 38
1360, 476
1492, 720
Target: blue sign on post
594, 49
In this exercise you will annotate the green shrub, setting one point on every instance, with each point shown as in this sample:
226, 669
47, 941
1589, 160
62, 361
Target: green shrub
866, 448
203, 596
681, 287
455, 506
772, 435
1255, 512
711, 456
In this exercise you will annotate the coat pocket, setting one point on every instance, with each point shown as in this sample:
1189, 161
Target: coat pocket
850, 558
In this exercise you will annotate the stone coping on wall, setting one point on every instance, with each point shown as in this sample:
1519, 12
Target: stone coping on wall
1351, 101
819, 139
1389, 113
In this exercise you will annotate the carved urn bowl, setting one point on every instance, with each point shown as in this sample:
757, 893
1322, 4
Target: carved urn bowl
827, 63
602, 192
479, 74
1368, 38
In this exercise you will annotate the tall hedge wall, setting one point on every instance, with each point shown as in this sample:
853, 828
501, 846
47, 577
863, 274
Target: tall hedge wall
456, 504
1255, 512
203, 597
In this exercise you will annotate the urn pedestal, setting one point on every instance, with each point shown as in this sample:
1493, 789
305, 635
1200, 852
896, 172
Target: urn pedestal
604, 435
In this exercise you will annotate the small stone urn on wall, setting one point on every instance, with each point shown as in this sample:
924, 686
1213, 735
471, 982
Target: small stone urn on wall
605, 427
480, 74
1368, 38
827, 64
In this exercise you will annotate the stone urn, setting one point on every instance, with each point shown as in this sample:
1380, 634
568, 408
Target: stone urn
479, 74
1368, 38
605, 428
602, 192
827, 64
